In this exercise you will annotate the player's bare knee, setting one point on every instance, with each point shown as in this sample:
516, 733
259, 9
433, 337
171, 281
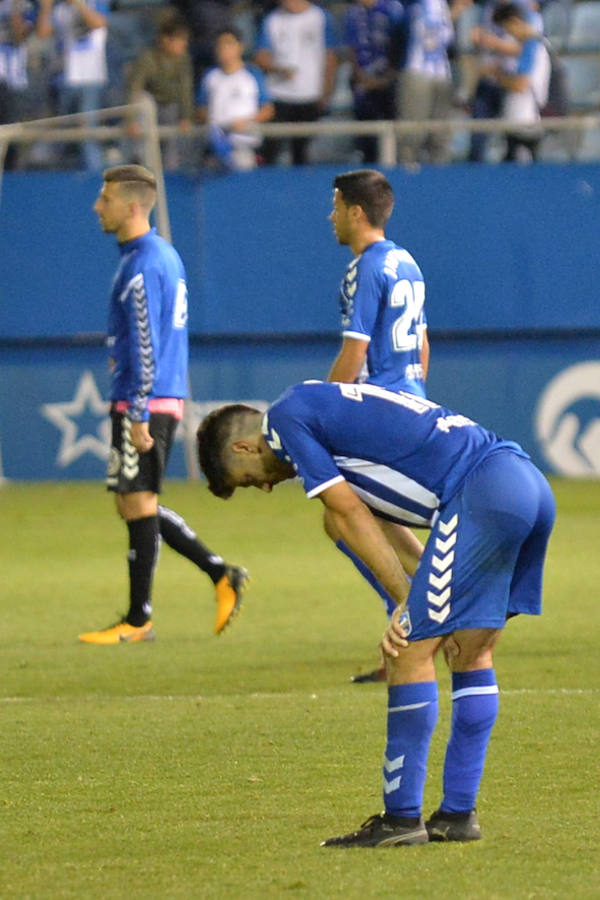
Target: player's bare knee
414, 663
471, 649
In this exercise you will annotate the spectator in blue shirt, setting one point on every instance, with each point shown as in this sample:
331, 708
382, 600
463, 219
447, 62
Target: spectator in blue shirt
17, 18
368, 32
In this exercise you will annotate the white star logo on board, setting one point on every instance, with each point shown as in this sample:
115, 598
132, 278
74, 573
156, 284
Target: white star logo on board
86, 402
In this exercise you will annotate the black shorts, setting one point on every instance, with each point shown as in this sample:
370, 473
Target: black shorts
130, 472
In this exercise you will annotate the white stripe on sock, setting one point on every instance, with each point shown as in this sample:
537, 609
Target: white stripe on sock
481, 689
409, 706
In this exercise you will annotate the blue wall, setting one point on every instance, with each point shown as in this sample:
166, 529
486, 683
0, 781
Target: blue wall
511, 265
500, 247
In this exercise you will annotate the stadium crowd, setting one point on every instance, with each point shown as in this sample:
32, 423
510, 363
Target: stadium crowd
233, 64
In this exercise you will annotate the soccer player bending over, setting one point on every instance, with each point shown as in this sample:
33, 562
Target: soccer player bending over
148, 342
491, 512
384, 329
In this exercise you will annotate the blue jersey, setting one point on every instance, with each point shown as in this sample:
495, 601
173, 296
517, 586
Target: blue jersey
147, 329
368, 31
382, 301
429, 32
403, 455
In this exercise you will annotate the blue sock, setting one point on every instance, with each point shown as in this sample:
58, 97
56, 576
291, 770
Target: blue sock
412, 715
474, 712
389, 604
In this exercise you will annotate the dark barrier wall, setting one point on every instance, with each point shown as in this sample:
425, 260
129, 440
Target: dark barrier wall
509, 257
500, 247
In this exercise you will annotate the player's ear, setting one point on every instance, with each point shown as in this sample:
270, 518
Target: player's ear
244, 446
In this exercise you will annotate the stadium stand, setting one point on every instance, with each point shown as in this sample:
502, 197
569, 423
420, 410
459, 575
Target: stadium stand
557, 16
572, 26
584, 30
583, 81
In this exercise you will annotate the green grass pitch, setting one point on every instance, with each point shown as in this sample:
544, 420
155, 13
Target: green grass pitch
204, 767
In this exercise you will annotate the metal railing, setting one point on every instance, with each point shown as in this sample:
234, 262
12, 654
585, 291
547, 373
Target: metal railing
67, 129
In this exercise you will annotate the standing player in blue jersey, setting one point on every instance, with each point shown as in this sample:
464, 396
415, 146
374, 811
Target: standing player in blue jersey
148, 343
364, 450
382, 296
384, 328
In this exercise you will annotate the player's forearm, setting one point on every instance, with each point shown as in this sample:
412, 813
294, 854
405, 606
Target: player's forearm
349, 362
519, 84
407, 545
425, 355
91, 17
343, 370
265, 113
359, 530
19, 27
331, 67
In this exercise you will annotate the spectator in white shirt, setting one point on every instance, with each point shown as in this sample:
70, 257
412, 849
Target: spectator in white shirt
80, 30
526, 84
296, 48
425, 89
232, 99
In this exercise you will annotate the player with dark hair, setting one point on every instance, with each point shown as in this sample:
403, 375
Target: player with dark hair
384, 328
148, 343
383, 291
490, 511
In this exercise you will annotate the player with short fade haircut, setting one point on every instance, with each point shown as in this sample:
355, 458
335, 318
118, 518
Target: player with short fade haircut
148, 345
364, 451
135, 182
384, 327
217, 433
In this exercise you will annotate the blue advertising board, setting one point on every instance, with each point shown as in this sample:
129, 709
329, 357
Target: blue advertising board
544, 394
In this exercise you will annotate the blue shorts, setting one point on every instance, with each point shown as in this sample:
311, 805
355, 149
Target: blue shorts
485, 555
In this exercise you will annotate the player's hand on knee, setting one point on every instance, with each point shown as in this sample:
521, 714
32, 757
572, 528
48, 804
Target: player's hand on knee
394, 637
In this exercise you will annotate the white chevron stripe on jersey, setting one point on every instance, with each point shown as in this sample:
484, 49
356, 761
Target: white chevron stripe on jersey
145, 349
